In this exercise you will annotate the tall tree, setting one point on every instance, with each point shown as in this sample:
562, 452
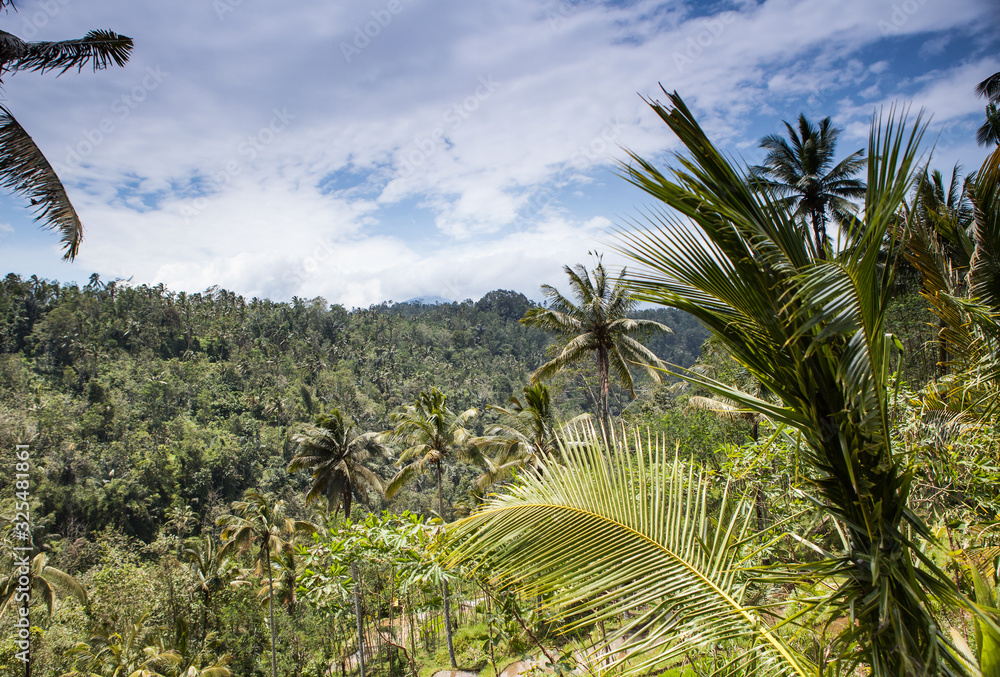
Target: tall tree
940, 241
642, 538
965, 293
524, 438
597, 323
336, 454
258, 523
209, 570
801, 171
811, 329
989, 132
434, 434
44, 579
23, 167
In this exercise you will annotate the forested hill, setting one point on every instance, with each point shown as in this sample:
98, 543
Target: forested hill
141, 399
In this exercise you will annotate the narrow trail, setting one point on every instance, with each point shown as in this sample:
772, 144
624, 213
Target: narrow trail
527, 667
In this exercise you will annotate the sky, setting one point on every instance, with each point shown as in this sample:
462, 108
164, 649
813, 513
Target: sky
374, 150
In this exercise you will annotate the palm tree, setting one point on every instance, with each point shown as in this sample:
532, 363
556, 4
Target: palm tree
811, 330
209, 571
23, 167
434, 433
597, 323
989, 132
46, 580
336, 455
939, 241
116, 654
528, 435
801, 171
612, 528
964, 292
260, 524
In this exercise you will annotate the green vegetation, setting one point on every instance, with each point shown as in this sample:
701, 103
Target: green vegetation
597, 323
810, 491
23, 167
148, 414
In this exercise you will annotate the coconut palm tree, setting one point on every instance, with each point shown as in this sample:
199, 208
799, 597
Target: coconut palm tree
597, 323
47, 580
115, 654
527, 435
434, 434
209, 571
810, 328
44, 579
23, 167
336, 454
800, 170
964, 292
615, 527
989, 132
939, 242
260, 524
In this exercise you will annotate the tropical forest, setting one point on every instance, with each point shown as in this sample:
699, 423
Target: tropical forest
766, 445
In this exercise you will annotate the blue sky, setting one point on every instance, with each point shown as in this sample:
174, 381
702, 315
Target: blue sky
388, 149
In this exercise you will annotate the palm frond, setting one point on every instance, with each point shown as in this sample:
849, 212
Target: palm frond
610, 531
809, 325
24, 170
11, 47
990, 88
403, 477
98, 48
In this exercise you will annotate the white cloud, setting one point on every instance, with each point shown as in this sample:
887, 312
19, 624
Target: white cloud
469, 110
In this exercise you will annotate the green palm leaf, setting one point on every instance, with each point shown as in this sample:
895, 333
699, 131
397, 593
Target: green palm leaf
99, 48
24, 169
609, 531
809, 325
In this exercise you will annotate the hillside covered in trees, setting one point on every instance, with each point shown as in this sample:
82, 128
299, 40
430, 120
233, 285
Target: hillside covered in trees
139, 400
205, 485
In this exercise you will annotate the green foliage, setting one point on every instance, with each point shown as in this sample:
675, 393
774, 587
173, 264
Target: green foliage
138, 399
633, 534
597, 323
809, 325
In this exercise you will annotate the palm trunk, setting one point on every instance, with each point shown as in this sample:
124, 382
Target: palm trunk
881, 563
357, 617
942, 350
270, 611
27, 619
204, 618
819, 230
603, 369
444, 584
413, 626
